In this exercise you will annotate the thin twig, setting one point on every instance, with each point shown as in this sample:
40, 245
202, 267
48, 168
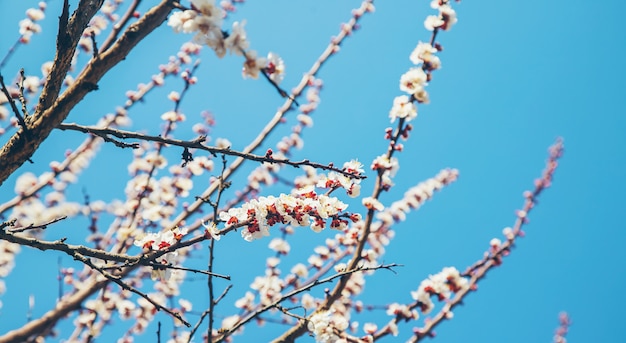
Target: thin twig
39, 226
16, 111
128, 287
206, 312
94, 44
10, 52
21, 93
198, 271
197, 144
119, 26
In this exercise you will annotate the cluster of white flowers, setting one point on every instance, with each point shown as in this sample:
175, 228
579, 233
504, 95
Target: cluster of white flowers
280, 246
158, 197
424, 53
8, 252
275, 67
403, 107
416, 79
28, 25
269, 287
413, 82
416, 196
372, 203
325, 326
304, 208
160, 241
205, 20
389, 168
403, 311
337, 180
442, 285
97, 25
29, 210
445, 19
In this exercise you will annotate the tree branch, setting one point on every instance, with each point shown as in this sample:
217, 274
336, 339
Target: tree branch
197, 144
480, 269
53, 109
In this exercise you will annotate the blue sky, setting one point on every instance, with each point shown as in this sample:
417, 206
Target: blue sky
515, 76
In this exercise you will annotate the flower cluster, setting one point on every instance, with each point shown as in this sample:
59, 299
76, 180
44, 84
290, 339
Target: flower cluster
561, 331
161, 241
8, 251
97, 25
416, 79
443, 285
325, 326
424, 53
388, 166
29, 26
304, 208
445, 19
205, 20
416, 196
401, 311
336, 180
275, 67
403, 107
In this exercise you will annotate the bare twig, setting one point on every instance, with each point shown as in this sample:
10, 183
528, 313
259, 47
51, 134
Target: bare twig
94, 44
197, 144
21, 94
39, 226
206, 312
16, 111
119, 26
198, 271
10, 52
280, 91
8, 223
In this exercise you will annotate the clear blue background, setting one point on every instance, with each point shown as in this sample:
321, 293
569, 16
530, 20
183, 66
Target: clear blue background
515, 76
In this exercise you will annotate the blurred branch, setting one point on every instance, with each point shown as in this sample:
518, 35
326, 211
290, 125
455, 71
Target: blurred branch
35, 227
563, 329
119, 26
118, 280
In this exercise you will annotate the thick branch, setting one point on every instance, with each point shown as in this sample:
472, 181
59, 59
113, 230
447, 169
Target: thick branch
52, 110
